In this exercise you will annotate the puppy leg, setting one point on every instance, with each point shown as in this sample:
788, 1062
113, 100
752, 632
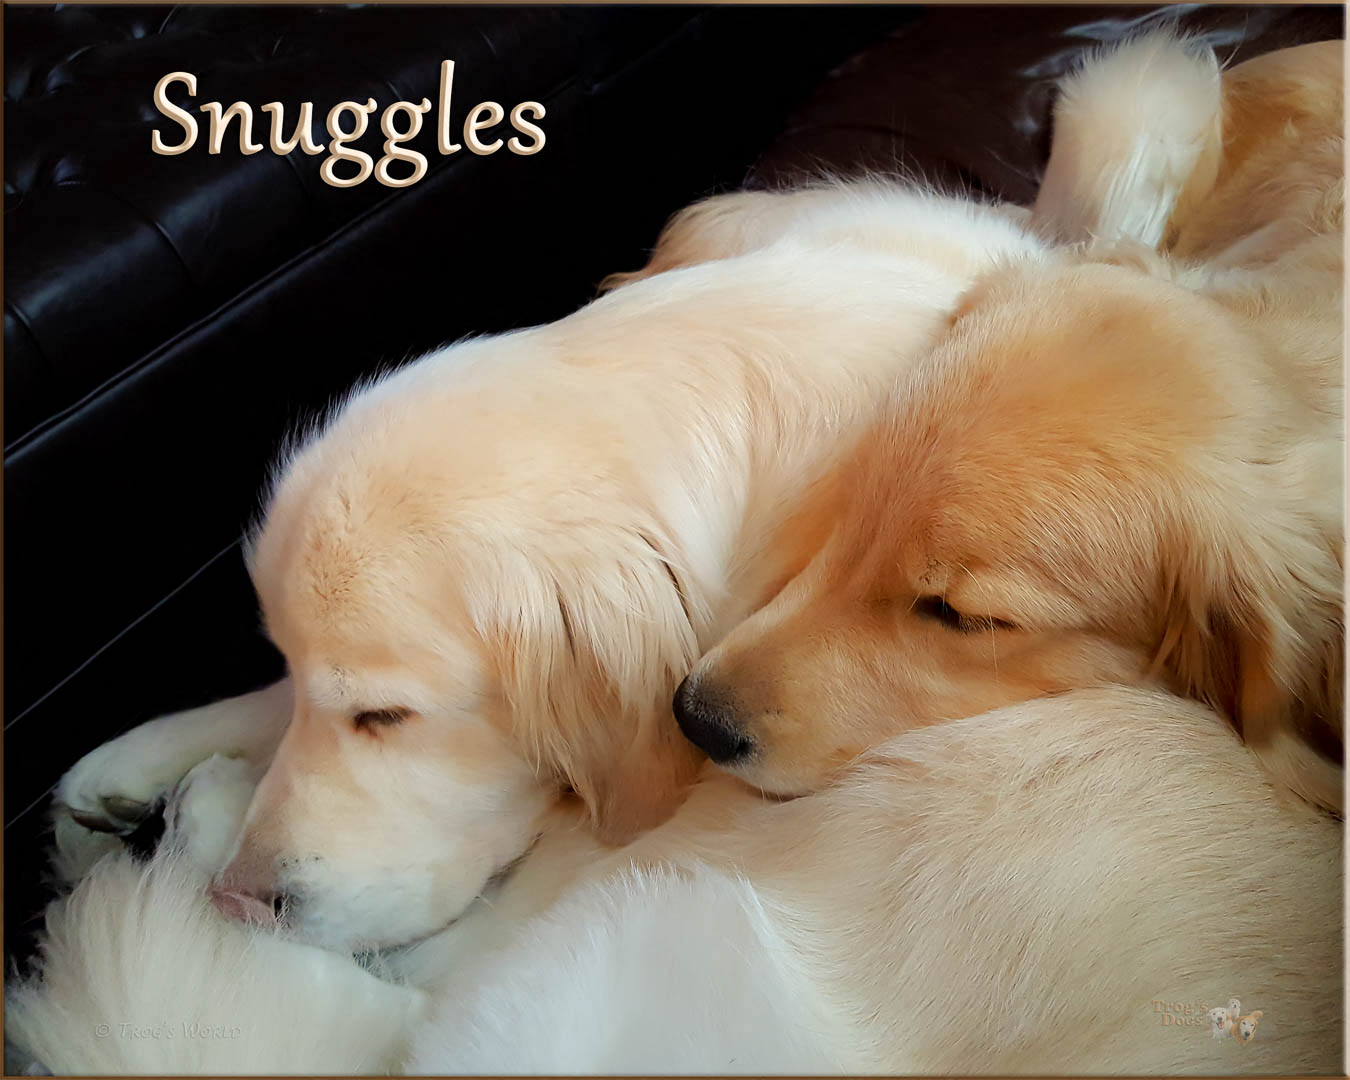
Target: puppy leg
1138, 131
206, 809
118, 785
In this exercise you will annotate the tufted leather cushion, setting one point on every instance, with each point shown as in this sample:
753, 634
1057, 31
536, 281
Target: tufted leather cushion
110, 251
976, 117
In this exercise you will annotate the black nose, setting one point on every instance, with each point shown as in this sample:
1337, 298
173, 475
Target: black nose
709, 722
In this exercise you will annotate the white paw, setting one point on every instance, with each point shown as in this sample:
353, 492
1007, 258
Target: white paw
114, 788
206, 809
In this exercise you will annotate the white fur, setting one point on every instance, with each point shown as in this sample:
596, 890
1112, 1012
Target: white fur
1132, 127
140, 974
142, 766
948, 907
644, 970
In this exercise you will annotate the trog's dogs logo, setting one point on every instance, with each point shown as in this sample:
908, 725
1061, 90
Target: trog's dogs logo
1224, 1022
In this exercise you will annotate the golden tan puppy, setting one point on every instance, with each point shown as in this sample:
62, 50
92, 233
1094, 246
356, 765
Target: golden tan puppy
1244, 1028
1115, 470
489, 570
1023, 890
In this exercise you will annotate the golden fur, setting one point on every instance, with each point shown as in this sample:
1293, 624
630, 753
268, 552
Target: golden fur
490, 570
1118, 468
1244, 1027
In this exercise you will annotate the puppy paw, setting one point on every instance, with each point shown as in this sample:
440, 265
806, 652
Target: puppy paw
206, 809
125, 782
114, 788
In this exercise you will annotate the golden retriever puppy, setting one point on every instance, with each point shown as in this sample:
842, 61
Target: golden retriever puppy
1115, 469
964, 898
489, 570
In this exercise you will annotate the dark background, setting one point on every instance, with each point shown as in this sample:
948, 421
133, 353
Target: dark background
169, 319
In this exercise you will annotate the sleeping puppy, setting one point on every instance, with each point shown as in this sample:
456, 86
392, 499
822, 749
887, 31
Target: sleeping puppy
489, 570
951, 873
1115, 469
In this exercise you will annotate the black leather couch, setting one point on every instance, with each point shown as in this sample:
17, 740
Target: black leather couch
168, 319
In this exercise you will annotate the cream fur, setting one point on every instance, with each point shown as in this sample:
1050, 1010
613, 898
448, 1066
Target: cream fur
1120, 466
524, 542
964, 900
520, 534
140, 975
1132, 129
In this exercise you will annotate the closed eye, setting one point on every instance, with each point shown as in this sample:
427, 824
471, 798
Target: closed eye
367, 719
938, 610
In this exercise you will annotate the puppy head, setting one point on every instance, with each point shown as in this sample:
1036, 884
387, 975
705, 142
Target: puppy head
1096, 479
468, 646
1247, 1026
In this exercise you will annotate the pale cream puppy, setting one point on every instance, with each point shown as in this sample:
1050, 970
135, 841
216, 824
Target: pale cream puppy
489, 570
953, 871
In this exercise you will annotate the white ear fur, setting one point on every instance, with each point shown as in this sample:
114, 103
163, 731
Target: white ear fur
1136, 131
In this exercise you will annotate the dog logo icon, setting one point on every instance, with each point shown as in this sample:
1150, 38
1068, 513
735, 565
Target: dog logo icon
1229, 1021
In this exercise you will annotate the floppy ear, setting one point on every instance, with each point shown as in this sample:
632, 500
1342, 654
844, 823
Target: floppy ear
1254, 626
590, 648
